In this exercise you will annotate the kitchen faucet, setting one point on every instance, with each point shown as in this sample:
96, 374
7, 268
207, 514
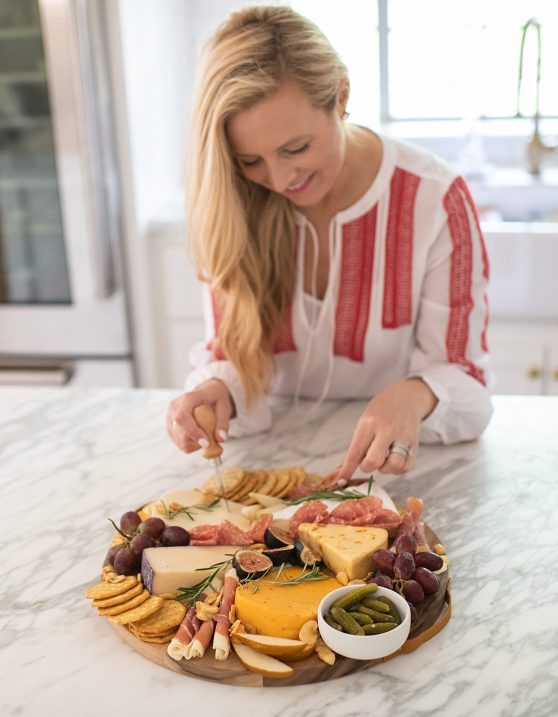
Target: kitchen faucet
536, 147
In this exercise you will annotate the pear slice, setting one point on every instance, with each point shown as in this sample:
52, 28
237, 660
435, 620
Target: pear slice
260, 663
269, 645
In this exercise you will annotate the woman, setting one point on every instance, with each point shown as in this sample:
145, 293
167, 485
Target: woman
340, 264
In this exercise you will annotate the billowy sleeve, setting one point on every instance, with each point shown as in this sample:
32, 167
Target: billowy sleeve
249, 419
451, 353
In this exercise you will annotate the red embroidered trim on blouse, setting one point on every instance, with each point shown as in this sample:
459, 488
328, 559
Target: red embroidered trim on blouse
353, 304
398, 275
461, 271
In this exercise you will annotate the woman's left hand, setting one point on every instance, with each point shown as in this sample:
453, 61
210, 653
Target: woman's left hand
393, 416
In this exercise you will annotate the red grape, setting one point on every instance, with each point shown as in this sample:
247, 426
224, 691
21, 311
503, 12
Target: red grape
174, 535
129, 522
153, 527
428, 560
109, 560
413, 592
404, 566
140, 542
384, 560
405, 543
126, 562
413, 610
382, 581
427, 580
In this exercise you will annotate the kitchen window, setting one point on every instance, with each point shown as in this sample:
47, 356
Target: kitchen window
441, 60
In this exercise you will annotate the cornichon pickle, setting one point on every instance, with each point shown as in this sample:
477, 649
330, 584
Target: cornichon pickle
335, 625
355, 596
348, 623
393, 611
373, 604
378, 627
361, 618
375, 615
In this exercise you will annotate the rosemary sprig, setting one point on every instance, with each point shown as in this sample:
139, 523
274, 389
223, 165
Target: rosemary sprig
189, 510
335, 495
311, 576
369, 486
190, 595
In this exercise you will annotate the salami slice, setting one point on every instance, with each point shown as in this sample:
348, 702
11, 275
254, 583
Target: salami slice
204, 535
351, 510
312, 512
229, 534
257, 531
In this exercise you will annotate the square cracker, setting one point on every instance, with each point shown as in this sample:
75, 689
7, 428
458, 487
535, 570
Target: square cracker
108, 589
133, 602
119, 599
147, 608
169, 616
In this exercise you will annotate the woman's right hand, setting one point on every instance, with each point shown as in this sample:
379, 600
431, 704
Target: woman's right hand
182, 427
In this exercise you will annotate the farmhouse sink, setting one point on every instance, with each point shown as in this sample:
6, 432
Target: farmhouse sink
521, 233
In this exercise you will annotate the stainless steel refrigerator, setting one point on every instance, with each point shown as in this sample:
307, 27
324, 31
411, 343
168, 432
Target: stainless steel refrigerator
63, 317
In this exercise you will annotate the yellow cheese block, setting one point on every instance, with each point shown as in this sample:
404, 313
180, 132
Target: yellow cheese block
344, 548
281, 610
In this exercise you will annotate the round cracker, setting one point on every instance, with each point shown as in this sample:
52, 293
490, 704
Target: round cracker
133, 602
109, 589
170, 615
119, 599
147, 608
160, 639
267, 486
282, 479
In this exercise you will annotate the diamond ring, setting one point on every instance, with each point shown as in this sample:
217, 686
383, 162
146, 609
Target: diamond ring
400, 449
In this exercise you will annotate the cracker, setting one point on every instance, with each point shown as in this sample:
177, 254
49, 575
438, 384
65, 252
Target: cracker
147, 608
108, 589
247, 486
231, 480
160, 639
133, 602
119, 599
169, 616
282, 480
267, 486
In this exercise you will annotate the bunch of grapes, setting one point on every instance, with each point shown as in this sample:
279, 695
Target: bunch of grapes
138, 535
410, 573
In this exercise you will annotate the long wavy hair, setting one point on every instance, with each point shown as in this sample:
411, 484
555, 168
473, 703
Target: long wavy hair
242, 235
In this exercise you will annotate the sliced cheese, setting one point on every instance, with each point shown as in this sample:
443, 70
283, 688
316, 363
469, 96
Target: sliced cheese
194, 500
281, 610
164, 570
344, 548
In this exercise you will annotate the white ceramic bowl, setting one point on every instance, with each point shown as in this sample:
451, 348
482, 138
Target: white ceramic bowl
367, 647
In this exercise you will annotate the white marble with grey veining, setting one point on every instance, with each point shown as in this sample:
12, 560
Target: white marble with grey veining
69, 458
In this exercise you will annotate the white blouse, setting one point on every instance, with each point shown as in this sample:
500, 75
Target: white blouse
406, 296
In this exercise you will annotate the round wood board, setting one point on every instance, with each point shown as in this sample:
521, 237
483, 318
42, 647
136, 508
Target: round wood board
433, 614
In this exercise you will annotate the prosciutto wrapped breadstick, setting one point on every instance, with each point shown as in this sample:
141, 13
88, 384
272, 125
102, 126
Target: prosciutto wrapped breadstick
181, 643
221, 642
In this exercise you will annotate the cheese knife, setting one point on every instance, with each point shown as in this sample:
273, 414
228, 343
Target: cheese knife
205, 418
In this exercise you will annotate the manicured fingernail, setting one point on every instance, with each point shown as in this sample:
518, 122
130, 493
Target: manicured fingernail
222, 435
203, 443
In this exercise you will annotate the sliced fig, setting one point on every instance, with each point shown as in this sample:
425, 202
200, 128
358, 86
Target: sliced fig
277, 538
304, 555
251, 563
280, 555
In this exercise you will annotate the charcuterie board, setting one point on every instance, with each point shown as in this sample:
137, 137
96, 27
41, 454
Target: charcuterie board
432, 615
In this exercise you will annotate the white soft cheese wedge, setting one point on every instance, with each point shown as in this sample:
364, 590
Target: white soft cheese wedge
164, 570
196, 515
344, 548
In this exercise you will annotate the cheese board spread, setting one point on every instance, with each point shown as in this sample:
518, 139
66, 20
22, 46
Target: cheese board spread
225, 582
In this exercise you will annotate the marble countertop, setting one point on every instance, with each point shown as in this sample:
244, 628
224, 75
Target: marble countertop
70, 458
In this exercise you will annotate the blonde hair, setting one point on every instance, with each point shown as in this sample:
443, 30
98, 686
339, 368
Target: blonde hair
242, 235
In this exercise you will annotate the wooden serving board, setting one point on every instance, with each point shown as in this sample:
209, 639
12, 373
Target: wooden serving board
433, 614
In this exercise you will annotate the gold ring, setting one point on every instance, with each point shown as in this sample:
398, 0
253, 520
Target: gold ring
400, 449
